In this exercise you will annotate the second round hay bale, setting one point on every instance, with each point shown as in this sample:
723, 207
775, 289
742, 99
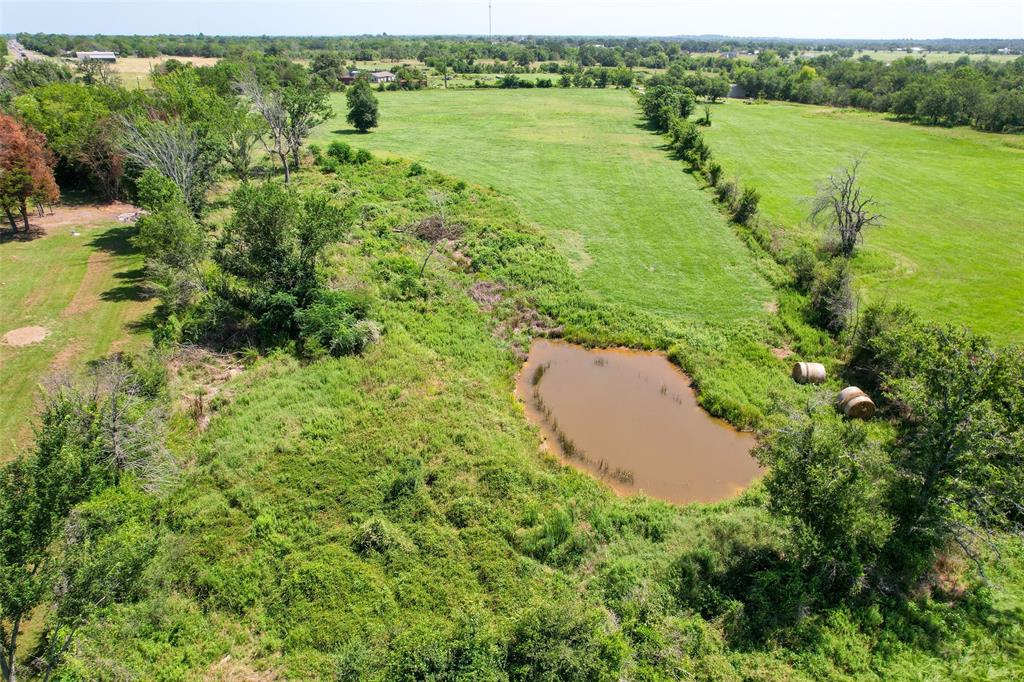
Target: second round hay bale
855, 403
859, 407
809, 373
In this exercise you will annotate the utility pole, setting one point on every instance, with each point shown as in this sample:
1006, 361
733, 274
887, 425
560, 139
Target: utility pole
490, 34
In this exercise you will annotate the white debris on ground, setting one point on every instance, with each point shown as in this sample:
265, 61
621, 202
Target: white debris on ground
129, 217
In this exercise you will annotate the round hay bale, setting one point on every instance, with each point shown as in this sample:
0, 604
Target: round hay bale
847, 393
859, 407
809, 373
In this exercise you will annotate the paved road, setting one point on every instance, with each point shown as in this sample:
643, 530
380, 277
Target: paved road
18, 52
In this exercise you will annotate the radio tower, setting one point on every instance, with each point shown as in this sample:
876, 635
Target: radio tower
490, 35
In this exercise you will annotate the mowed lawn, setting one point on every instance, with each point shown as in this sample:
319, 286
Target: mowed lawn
85, 291
953, 242
580, 165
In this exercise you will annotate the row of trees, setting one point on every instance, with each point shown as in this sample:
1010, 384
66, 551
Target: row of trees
189, 125
869, 515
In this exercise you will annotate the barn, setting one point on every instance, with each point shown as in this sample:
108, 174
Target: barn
96, 56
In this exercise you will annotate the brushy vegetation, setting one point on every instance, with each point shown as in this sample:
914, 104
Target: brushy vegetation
390, 516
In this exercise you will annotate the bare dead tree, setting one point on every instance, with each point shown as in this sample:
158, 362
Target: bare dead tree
133, 428
269, 104
842, 207
175, 149
436, 229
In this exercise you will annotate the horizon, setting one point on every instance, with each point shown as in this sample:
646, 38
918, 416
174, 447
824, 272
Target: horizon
798, 20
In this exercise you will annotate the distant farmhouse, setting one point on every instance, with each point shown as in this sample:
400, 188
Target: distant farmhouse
374, 77
96, 56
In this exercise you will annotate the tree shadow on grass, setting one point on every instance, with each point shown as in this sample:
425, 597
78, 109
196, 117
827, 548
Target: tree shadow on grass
146, 324
9, 235
133, 288
117, 242
347, 131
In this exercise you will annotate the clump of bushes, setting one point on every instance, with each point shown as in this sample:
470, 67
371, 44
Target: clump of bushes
713, 173
746, 206
335, 323
262, 283
340, 151
726, 192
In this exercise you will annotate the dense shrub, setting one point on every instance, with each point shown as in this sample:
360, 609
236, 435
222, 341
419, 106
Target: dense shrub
867, 362
831, 294
714, 173
746, 206
335, 323
341, 151
726, 193
565, 642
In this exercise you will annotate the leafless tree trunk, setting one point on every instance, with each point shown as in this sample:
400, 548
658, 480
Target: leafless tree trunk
436, 228
133, 437
173, 148
267, 103
841, 206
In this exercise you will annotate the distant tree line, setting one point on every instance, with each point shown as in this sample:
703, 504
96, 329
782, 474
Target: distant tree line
985, 94
588, 51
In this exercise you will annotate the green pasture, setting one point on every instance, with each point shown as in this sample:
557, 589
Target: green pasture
580, 164
84, 290
392, 516
952, 245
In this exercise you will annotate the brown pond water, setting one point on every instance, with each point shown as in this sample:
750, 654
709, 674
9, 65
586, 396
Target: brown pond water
631, 419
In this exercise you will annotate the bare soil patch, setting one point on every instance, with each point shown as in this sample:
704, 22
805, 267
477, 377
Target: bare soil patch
25, 336
78, 216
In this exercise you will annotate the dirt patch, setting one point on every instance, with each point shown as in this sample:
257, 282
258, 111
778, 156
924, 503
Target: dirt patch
87, 296
199, 378
62, 360
25, 336
64, 217
770, 306
781, 353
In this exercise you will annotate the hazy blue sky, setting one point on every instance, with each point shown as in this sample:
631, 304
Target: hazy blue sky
787, 18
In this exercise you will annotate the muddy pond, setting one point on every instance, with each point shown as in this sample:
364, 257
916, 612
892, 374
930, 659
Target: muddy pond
631, 419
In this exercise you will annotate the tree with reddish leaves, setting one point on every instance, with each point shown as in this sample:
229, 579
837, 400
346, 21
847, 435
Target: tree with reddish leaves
26, 170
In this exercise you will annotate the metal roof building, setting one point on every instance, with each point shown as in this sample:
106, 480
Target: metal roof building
96, 56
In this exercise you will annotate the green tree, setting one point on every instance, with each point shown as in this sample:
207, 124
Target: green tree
271, 248
826, 477
173, 241
959, 456
305, 106
80, 128
362, 106
90, 436
662, 103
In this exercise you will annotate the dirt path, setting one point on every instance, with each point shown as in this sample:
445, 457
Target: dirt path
97, 270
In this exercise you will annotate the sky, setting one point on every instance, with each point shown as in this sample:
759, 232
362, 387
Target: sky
884, 19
